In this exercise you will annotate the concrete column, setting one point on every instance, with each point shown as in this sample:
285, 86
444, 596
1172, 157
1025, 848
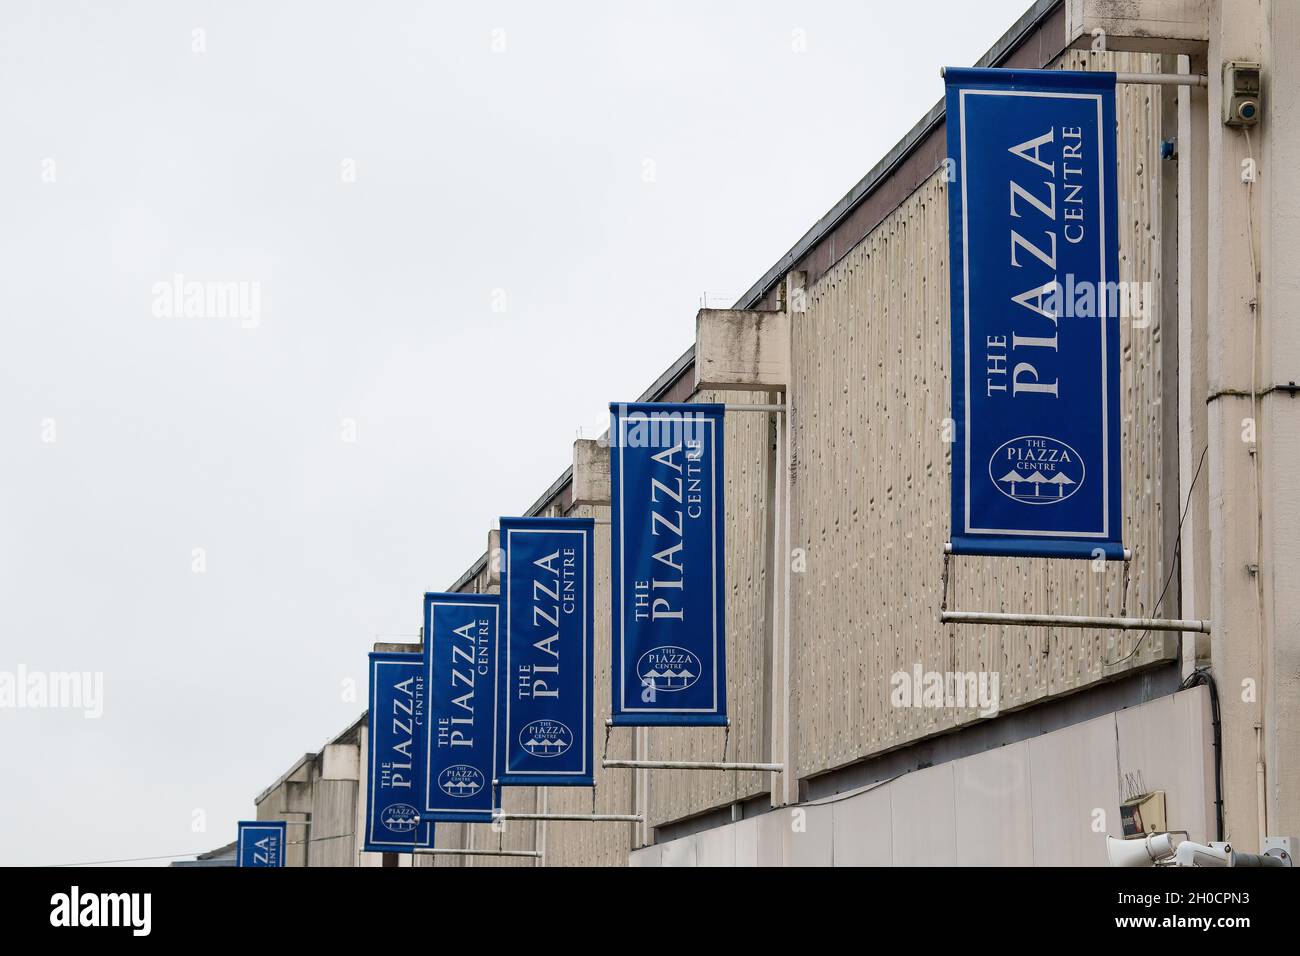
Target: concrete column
590, 473
494, 559
1193, 179
1278, 192
787, 781
750, 350
1235, 33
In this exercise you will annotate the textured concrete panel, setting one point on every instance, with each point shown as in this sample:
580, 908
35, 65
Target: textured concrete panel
744, 349
870, 369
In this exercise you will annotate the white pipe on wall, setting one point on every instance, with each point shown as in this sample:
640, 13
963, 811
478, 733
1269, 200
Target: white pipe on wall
1075, 620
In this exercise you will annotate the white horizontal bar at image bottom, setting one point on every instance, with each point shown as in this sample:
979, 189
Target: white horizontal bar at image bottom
691, 765
1075, 620
439, 851
576, 817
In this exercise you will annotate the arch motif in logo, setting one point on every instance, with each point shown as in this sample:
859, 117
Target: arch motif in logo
461, 780
1037, 470
545, 738
668, 669
400, 817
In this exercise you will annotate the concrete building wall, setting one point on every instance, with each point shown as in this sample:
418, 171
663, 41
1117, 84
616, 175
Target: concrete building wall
289, 799
334, 818
674, 794
1280, 483
359, 825
321, 798
666, 795
870, 468
586, 844
566, 843
870, 367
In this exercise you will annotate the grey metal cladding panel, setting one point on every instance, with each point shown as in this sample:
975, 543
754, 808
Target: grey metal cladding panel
676, 794
872, 470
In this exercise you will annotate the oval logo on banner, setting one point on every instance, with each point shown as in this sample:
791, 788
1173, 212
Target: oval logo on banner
545, 738
400, 818
668, 668
1036, 470
461, 780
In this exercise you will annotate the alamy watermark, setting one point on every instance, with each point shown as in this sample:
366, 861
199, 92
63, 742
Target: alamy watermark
133, 911
967, 690
669, 430
1088, 299
53, 690
182, 298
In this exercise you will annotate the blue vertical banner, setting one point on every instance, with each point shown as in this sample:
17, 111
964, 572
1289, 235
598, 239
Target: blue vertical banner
669, 588
1036, 305
261, 842
544, 718
398, 715
460, 662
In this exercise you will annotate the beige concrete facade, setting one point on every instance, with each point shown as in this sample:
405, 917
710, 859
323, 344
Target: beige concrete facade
837, 515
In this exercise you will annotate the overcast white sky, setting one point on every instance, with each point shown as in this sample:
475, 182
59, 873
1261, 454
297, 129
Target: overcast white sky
610, 165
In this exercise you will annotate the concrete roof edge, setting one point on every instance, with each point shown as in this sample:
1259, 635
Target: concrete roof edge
284, 776
346, 731
228, 850
308, 757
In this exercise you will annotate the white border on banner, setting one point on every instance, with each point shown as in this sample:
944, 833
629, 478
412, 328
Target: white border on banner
428, 737
1103, 317
374, 758
588, 575
622, 566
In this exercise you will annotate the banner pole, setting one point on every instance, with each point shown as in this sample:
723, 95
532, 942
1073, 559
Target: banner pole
1163, 79
575, 817
1075, 620
640, 765
691, 765
1148, 79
